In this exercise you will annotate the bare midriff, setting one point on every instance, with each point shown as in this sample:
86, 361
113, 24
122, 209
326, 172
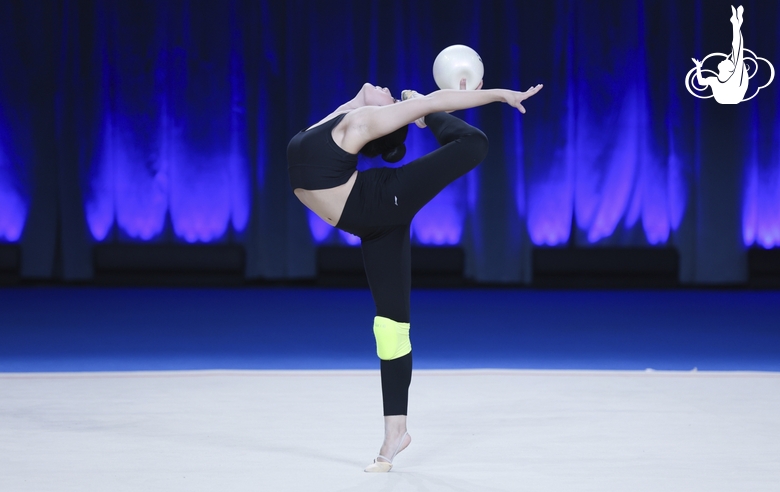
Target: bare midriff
328, 204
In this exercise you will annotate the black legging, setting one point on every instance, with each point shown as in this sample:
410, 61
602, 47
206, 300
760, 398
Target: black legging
380, 210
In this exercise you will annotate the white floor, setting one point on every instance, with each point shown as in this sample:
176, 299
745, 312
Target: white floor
315, 431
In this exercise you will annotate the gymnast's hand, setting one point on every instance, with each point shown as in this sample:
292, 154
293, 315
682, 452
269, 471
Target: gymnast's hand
463, 85
514, 98
409, 94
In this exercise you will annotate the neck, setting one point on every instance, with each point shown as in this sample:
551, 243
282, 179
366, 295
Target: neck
354, 103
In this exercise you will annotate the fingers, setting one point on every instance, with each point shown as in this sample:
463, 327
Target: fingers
533, 90
463, 85
525, 95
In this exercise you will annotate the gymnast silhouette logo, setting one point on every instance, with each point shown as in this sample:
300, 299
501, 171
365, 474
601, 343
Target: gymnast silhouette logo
730, 84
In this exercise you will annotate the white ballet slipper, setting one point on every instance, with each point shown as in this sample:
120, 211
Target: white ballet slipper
387, 465
379, 466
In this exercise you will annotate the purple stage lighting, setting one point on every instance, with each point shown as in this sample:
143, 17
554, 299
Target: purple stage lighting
13, 206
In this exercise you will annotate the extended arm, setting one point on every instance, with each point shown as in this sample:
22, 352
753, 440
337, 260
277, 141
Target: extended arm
699, 79
371, 122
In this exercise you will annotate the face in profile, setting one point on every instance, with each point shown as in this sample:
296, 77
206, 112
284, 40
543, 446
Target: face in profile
375, 95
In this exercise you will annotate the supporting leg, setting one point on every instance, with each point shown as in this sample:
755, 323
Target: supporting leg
388, 262
387, 259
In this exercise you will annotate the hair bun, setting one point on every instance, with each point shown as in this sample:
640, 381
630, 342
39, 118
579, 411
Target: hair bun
395, 154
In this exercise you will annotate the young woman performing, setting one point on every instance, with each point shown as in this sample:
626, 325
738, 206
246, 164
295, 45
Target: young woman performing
378, 205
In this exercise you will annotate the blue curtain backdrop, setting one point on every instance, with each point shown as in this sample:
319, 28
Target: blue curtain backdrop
167, 121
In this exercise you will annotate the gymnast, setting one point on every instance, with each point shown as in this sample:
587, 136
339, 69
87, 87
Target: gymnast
731, 84
378, 205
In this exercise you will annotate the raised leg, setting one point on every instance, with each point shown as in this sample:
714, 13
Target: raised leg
736, 35
463, 147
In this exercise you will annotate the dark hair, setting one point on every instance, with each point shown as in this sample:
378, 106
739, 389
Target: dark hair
390, 146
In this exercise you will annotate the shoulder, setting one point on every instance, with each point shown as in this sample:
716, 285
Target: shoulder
357, 118
345, 131
352, 132
331, 117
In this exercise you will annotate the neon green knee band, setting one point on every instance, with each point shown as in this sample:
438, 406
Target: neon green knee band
392, 338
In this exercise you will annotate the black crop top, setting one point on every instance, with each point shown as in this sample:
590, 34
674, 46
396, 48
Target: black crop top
316, 162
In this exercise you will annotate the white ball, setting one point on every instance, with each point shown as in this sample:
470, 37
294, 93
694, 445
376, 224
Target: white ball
458, 62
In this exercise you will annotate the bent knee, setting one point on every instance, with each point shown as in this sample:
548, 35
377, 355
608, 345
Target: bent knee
477, 145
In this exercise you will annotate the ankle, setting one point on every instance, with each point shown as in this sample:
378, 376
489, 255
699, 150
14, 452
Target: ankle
395, 425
